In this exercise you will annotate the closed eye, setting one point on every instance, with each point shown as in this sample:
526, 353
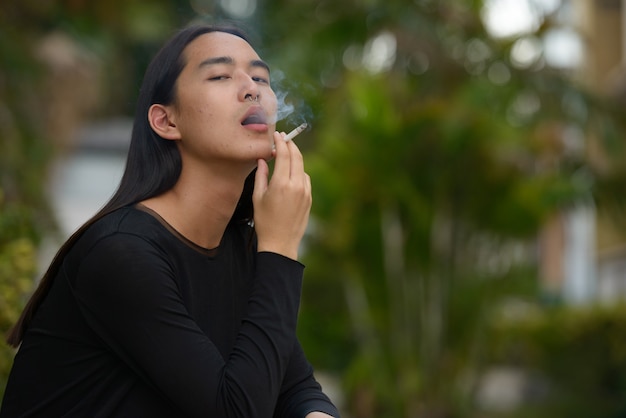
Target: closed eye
261, 80
219, 77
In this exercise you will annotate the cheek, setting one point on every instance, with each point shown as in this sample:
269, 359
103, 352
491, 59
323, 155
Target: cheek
197, 119
202, 113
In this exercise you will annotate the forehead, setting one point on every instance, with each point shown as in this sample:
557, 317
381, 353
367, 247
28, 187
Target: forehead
218, 44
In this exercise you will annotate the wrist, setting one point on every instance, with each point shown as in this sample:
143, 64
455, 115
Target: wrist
283, 250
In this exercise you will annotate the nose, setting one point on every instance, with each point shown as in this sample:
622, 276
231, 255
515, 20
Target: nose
249, 89
251, 98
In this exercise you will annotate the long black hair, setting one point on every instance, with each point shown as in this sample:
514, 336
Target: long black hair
153, 164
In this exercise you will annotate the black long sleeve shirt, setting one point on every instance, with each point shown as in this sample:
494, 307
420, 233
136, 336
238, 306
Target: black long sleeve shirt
140, 322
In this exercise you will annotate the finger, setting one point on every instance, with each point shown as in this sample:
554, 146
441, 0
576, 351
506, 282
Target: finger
308, 189
296, 161
307, 183
282, 164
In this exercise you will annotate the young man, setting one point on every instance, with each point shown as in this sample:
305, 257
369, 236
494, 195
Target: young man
180, 297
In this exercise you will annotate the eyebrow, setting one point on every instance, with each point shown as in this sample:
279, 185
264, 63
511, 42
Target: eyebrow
230, 61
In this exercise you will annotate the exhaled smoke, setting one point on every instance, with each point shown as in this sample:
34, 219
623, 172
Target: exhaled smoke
285, 109
291, 111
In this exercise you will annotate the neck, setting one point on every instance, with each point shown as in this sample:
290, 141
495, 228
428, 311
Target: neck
200, 206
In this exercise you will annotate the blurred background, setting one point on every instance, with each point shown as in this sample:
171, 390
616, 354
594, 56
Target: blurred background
467, 249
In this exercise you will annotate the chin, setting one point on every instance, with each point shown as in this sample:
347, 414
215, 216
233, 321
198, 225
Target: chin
267, 152
268, 156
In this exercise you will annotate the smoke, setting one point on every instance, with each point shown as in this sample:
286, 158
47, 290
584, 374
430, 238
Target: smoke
285, 108
291, 110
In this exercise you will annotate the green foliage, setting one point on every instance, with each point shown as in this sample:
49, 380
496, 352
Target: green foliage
387, 162
17, 269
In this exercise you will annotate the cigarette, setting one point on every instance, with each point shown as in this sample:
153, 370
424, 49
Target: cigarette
291, 135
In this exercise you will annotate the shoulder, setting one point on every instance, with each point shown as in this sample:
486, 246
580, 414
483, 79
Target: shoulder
121, 247
124, 222
117, 233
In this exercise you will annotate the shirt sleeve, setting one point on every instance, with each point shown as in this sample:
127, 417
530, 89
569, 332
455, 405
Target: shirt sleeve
127, 293
301, 393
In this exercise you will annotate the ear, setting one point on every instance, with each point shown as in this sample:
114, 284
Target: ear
162, 122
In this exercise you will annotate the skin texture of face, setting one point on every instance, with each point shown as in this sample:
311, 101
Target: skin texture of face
225, 108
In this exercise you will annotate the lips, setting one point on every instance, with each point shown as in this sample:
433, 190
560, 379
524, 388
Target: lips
254, 116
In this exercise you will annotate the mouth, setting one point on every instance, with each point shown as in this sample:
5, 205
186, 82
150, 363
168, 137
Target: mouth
255, 119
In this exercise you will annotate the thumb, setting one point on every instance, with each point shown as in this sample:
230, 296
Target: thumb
260, 179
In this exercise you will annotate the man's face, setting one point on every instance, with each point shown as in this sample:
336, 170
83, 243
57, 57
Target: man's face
225, 108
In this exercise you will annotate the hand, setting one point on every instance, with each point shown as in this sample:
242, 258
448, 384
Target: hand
282, 206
